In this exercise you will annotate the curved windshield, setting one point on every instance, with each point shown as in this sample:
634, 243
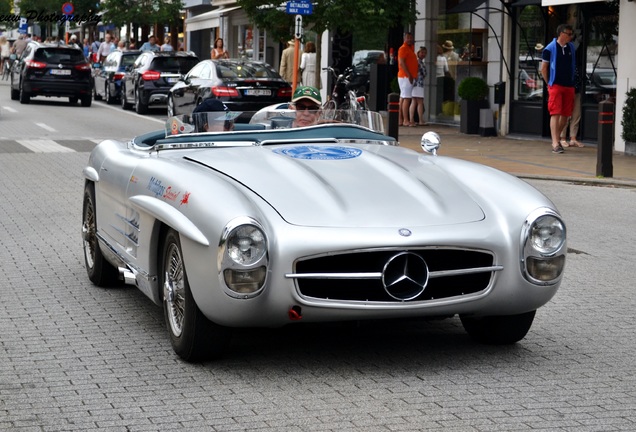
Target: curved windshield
229, 121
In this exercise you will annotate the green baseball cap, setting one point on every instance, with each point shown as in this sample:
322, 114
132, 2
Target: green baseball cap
306, 92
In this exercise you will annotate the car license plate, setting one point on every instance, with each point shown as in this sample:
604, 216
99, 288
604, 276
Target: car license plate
60, 71
172, 80
258, 92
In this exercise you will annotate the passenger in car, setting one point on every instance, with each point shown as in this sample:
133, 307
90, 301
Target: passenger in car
212, 115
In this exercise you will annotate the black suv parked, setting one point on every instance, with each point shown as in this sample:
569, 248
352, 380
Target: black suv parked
149, 79
52, 70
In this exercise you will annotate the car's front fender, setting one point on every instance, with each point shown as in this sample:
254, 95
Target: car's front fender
170, 216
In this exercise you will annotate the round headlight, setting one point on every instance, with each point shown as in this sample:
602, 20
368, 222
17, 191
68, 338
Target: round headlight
547, 234
246, 245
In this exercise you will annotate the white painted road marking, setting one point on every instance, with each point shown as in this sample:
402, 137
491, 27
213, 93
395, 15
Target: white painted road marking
44, 146
45, 126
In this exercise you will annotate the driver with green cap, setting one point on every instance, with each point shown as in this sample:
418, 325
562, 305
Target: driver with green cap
307, 102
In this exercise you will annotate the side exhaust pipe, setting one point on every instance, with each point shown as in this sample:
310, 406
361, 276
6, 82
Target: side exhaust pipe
128, 276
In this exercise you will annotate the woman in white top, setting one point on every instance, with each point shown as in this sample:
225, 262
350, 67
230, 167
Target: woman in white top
308, 65
5, 52
167, 46
218, 51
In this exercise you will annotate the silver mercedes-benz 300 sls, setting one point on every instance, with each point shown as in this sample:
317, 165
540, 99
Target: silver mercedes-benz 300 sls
265, 224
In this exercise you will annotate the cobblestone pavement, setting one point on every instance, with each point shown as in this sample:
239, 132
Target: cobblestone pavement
74, 357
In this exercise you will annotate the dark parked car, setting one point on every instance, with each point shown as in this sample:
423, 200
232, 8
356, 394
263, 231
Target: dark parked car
242, 85
151, 76
52, 70
600, 84
108, 75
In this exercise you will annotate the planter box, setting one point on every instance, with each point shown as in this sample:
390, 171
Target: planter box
469, 121
630, 148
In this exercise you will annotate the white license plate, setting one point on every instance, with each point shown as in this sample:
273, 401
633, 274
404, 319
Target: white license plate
258, 92
172, 80
60, 71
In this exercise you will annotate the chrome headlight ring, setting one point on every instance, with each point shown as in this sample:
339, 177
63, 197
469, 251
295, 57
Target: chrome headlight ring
243, 258
543, 247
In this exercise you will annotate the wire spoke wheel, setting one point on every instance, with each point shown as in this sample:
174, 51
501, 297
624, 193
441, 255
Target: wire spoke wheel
174, 289
100, 272
192, 335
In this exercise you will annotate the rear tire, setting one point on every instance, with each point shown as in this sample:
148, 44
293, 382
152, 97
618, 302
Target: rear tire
192, 335
100, 272
124, 103
24, 97
87, 101
73, 100
140, 107
498, 330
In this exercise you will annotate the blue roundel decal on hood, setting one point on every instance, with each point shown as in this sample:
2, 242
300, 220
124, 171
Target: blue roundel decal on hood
320, 152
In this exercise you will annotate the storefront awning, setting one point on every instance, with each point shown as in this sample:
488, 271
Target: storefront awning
565, 2
526, 3
207, 20
466, 6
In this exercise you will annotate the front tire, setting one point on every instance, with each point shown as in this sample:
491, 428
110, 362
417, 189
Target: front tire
15, 94
498, 330
192, 335
100, 272
170, 106
109, 97
96, 95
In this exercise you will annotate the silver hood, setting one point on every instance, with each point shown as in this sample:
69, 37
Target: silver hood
342, 185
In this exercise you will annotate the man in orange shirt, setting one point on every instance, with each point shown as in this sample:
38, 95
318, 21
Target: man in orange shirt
407, 73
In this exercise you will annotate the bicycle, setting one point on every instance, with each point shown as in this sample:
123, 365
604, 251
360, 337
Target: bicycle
343, 102
6, 67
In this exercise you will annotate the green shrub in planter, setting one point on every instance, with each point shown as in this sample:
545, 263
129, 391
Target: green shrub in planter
473, 89
629, 117
473, 92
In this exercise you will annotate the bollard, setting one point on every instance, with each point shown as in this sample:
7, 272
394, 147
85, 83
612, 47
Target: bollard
605, 147
394, 114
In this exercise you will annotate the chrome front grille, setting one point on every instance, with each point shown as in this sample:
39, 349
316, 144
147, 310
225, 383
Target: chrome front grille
364, 275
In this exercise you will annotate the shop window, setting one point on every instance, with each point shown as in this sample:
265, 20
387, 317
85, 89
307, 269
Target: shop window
601, 60
530, 39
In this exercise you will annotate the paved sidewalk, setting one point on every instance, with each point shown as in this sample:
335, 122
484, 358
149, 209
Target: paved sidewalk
524, 157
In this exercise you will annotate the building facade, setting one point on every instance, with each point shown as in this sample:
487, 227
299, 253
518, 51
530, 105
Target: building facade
498, 40
207, 20
502, 41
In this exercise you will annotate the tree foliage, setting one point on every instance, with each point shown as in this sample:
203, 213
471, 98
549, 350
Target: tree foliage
5, 7
144, 12
348, 16
55, 6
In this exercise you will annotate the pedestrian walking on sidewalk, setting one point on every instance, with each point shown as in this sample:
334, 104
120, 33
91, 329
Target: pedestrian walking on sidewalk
557, 69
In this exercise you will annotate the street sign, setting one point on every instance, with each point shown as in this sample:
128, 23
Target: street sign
298, 28
24, 25
68, 8
302, 7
